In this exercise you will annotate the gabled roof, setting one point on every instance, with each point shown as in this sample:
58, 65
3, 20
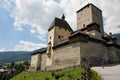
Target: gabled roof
41, 50
60, 23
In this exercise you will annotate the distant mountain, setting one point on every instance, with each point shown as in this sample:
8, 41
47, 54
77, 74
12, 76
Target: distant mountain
13, 56
118, 37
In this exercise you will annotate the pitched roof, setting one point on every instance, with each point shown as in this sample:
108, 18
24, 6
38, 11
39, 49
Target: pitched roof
60, 23
41, 50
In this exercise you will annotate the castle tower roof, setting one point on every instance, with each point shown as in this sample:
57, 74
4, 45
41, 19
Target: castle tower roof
60, 23
88, 6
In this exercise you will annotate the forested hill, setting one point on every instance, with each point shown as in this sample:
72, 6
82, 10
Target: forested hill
118, 37
14, 56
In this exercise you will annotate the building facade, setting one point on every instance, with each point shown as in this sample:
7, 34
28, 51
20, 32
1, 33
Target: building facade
67, 48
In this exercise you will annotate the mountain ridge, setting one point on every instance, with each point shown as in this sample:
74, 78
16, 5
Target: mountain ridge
13, 56
118, 37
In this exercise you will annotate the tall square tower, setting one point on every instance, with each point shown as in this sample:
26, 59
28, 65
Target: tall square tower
89, 14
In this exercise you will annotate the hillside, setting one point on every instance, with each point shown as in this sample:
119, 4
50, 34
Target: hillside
14, 56
118, 37
74, 74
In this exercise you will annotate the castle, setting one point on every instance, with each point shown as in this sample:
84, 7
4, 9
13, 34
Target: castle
88, 44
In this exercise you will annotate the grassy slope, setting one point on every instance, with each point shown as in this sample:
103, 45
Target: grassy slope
41, 75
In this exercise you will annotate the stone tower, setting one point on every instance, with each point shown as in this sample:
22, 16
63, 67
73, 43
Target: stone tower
59, 31
89, 14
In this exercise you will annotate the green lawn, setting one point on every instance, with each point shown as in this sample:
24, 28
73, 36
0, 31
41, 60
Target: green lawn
65, 75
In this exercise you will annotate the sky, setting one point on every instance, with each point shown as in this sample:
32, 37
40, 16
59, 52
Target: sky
24, 23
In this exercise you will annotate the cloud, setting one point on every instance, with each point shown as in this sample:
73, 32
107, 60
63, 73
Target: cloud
2, 49
11, 44
18, 26
111, 12
28, 46
41, 38
38, 14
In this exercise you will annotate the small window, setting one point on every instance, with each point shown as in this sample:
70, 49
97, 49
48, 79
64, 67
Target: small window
50, 37
83, 25
59, 37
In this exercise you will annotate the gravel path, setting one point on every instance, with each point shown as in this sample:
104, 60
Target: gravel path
110, 72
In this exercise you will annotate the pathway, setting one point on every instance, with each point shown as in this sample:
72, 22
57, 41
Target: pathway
110, 72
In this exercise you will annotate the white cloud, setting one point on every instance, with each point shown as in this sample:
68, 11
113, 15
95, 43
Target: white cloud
28, 46
41, 38
11, 44
39, 13
2, 49
111, 12
18, 26
32, 31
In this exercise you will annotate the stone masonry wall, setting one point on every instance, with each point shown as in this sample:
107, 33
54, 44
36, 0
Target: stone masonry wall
35, 62
43, 61
114, 55
66, 56
96, 53
84, 52
93, 53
